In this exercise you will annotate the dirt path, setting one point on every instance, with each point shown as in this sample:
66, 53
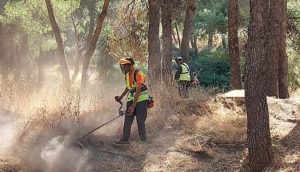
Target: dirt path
285, 130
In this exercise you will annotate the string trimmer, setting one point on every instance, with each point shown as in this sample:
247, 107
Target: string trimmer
121, 113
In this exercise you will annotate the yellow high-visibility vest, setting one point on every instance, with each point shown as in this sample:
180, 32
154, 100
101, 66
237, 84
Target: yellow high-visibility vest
185, 73
144, 93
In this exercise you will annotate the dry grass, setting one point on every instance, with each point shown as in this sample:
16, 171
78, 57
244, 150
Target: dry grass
173, 161
48, 112
198, 134
224, 122
6, 165
204, 125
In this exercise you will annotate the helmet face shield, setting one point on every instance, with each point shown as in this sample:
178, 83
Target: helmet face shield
125, 68
122, 67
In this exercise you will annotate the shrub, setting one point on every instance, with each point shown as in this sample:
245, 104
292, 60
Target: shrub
212, 68
294, 70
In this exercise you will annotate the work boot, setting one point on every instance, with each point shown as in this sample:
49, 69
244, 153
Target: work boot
122, 142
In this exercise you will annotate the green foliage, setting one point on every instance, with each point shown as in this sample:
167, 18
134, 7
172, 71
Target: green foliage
294, 67
244, 13
293, 44
102, 59
211, 17
2, 4
294, 9
294, 71
31, 17
212, 68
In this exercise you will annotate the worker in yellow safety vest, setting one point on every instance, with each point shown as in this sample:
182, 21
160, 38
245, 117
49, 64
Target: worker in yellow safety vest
183, 77
137, 100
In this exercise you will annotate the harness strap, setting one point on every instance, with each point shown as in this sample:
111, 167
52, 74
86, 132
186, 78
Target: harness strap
144, 88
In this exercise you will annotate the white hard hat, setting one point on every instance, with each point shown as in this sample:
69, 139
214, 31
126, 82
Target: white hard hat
179, 58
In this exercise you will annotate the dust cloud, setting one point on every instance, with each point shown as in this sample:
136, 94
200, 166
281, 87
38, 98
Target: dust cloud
53, 149
58, 157
40, 136
9, 130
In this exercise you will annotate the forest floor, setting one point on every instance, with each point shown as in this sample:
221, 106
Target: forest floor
207, 134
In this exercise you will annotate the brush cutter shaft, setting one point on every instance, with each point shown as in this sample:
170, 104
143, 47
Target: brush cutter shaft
121, 113
100, 126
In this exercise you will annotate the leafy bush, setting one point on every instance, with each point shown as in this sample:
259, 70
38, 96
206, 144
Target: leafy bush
294, 70
212, 68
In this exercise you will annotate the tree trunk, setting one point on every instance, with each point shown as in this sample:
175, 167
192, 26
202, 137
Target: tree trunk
4, 62
1, 43
273, 53
177, 33
174, 37
224, 43
22, 59
92, 47
154, 61
194, 42
210, 40
166, 20
16, 60
188, 24
41, 69
92, 16
281, 43
78, 48
233, 42
2, 49
76, 66
258, 129
62, 58
27, 65
4, 73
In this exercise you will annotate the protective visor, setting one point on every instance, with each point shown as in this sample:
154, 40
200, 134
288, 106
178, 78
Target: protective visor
122, 67
124, 62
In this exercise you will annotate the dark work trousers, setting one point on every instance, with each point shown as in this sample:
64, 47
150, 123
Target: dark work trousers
141, 114
183, 89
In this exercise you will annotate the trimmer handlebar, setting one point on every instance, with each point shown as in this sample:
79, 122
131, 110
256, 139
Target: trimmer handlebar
121, 113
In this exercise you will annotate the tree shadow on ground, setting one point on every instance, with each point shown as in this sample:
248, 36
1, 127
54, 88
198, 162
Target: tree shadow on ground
287, 151
292, 140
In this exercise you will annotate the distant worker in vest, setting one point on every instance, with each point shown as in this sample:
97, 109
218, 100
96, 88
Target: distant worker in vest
137, 100
183, 77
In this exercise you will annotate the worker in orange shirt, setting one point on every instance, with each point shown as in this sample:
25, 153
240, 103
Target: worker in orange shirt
137, 100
